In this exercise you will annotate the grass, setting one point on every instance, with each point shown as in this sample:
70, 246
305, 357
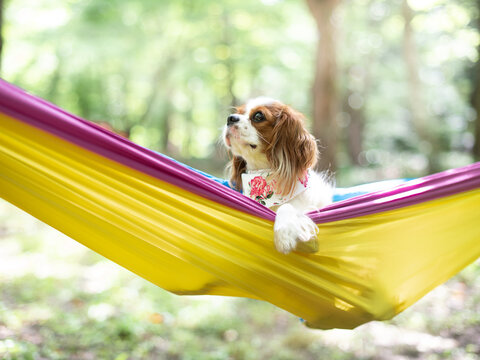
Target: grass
59, 300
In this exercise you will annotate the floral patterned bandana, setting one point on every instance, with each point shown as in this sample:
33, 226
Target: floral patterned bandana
257, 187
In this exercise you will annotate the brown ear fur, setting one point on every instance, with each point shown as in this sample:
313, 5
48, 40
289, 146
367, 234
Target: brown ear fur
292, 151
237, 167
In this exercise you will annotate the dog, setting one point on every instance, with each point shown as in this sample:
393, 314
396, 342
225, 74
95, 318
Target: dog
272, 163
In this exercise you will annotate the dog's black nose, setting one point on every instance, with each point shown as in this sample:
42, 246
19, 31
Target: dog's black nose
232, 119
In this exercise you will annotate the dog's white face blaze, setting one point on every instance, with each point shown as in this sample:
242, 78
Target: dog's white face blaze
243, 139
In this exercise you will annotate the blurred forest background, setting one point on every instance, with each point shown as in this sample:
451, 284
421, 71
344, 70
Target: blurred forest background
391, 89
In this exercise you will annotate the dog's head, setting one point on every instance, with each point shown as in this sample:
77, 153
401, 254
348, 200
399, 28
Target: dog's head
266, 134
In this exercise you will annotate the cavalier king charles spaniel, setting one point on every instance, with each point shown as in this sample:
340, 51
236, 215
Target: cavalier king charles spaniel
273, 160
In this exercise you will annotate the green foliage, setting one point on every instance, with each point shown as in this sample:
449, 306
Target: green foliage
166, 73
175, 67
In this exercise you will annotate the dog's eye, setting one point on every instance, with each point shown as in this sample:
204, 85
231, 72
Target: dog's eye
258, 117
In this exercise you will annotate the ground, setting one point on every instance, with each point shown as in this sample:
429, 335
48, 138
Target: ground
59, 300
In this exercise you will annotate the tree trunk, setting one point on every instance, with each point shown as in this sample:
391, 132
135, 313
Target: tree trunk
1, 33
227, 40
325, 97
355, 130
166, 126
475, 99
476, 106
52, 91
159, 81
420, 120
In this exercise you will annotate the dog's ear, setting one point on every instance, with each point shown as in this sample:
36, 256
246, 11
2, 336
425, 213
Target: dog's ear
237, 167
292, 151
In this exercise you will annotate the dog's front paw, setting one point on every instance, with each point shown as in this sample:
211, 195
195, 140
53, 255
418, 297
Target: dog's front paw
285, 238
292, 227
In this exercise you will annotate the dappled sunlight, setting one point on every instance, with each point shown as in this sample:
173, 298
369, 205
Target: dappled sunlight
376, 337
101, 312
100, 277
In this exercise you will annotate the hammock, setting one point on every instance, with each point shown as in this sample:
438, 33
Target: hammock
378, 253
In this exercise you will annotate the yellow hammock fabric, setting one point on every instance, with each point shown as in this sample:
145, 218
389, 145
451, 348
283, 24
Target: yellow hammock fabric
369, 267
